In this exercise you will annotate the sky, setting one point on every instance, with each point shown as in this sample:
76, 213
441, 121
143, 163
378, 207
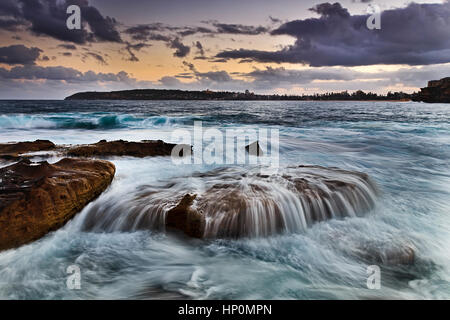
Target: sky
265, 46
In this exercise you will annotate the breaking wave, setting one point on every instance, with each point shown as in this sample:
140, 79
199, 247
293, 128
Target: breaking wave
89, 121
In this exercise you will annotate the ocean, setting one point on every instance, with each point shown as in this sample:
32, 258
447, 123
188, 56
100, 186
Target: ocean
404, 147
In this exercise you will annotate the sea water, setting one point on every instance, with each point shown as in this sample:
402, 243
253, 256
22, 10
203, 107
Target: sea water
403, 147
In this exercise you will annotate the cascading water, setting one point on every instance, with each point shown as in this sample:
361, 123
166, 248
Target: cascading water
237, 203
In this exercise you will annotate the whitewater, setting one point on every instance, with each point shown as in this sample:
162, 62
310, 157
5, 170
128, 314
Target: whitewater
123, 252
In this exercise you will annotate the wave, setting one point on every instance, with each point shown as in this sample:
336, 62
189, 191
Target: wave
93, 121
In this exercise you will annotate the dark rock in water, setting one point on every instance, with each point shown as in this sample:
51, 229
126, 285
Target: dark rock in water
235, 202
398, 255
36, 198
254, 149
12, 151
186, 219
148, 148
437, 91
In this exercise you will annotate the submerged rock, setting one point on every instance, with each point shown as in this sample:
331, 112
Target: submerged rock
12, 151
147, 148
36, 198
393, 255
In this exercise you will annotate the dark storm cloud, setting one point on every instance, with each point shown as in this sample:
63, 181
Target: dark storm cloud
19, 54
149, 32
181, 50
162, 32
48, 17
10, 24
9, 8
415, 35
60, 73
173, 35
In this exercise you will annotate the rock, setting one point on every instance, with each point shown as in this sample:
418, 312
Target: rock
254, 149
398, 255
186, 219
238, 203
36, 198
12, 151
147, 148
437, 91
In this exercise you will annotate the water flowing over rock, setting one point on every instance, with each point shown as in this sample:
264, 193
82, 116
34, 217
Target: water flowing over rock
36, 198
234, 203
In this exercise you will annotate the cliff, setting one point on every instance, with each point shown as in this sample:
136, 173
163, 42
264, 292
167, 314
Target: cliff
437, 91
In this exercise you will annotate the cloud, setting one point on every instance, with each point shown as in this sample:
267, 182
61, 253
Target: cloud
181, 50
59, 73
321, 79
163, 32
9, 8
48, 18
149, 32
200, 49
415, 35
10, 24
131, 48
225, 28
36, 82
99, 58
19, 54
68, 46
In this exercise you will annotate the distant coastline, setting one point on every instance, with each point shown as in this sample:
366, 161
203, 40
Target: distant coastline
437, 91
164, 94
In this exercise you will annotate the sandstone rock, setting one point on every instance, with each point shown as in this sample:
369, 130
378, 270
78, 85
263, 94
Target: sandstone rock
186, 219
437, 91
234, 203
36, 198
12, 151
147, 148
